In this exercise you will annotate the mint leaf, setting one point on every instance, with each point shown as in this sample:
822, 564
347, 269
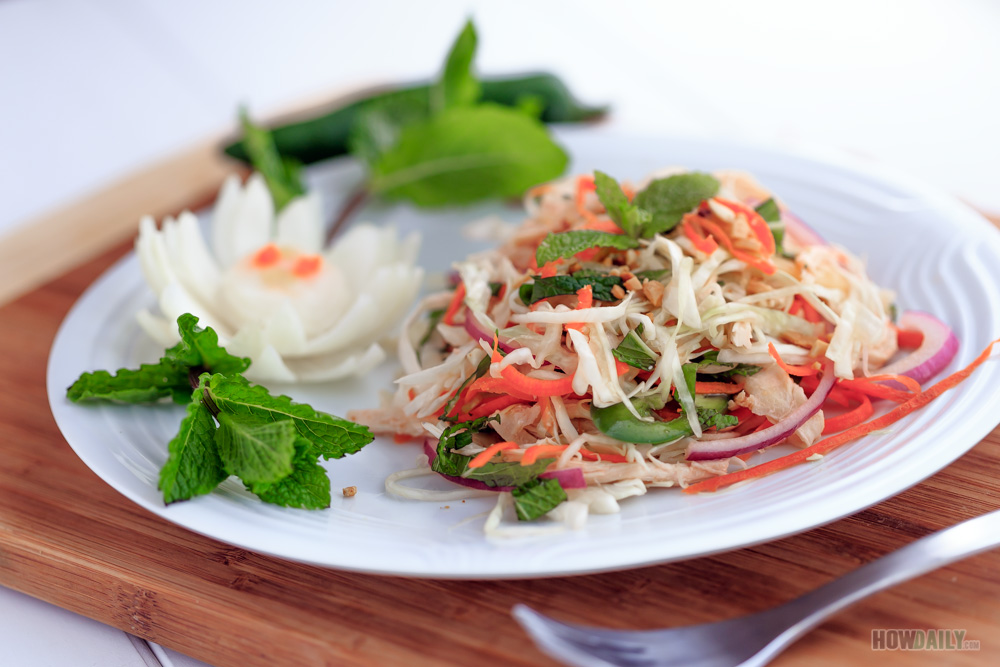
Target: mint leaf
378, 123
543, 288
149, 383
634, 352
467, 153
193, 466
711, 358
567, 244
506, 473
626, 215
457, 85
719, 420
537, 497
307, 487
199, 348
482, 369
769, 211
668, 199
457, 436
255, 450
331, 437
282, 176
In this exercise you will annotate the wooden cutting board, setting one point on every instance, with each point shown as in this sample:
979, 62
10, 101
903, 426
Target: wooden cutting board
68, 538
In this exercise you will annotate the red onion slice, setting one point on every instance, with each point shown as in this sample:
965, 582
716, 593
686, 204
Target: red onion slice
707, 450
474, 329
568, 478
936, 351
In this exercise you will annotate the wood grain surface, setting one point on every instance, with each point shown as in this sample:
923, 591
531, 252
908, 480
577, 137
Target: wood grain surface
68, 538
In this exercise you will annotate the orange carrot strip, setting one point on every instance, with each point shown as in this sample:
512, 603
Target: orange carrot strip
831, 443
875, 390
492, 385
483, 457
757, 223
761, 264
716, 388
910, 340
863, 411
494, 405
521, 383
532, 454
454, 305
550, 268
904, 380
809, 312
692, 229
791, 370
585, 299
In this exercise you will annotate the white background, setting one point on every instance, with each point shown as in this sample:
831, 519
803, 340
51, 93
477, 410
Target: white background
92, 89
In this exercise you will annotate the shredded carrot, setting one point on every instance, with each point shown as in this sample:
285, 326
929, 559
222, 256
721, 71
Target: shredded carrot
791, 370
692, 229
716, 231
454, 304
904, 380
828, 444
492, 385
875, 390
621, 367
494, 405
757, 224
863, 411
584, 184
585, 299
532, 454
521, 383
716, 388
809, 312
483, 457
909, 339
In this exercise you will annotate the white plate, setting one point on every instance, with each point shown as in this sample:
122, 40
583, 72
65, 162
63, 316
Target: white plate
937, 254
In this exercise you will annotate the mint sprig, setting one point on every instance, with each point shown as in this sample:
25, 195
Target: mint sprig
567, 244
231, 426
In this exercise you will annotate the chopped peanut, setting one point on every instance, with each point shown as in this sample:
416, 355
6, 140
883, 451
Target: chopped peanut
653, 289
350, 491
633, 284
618, 292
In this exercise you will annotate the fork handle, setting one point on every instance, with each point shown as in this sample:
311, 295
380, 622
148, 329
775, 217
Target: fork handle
928, 553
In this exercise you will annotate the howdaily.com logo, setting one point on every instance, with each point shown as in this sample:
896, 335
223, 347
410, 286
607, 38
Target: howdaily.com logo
884, 639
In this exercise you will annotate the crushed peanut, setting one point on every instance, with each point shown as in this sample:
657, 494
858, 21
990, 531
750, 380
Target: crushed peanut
653, 289
350, 491
633, 284
618, 292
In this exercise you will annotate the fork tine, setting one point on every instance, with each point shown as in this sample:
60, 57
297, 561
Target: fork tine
575, 645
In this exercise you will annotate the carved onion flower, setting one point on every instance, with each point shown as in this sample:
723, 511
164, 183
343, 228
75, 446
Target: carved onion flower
271, 291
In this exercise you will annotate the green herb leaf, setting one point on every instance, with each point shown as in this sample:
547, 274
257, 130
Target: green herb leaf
537, 497
149, 383
634, 352
710, 418
199, 348
193, 466
626, 215
255, 450
711, 358
653, 274
379, 123
690, 376
307, 487
668, 199
457, 85
281, 175
506, 473
467, 153
457, 436
482, 369
331, 437
543, 288
434, 317
769, 211
567, 244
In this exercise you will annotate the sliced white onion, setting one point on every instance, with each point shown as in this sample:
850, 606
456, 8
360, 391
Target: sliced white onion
936, 351
705, 450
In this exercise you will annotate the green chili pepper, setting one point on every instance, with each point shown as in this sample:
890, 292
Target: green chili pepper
327, 136
617, 422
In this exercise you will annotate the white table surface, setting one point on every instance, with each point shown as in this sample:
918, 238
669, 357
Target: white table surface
92, 89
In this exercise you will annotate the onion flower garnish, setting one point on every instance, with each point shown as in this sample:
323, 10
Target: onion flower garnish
267, 286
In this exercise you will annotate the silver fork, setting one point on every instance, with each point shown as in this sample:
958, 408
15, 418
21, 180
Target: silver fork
756, 639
